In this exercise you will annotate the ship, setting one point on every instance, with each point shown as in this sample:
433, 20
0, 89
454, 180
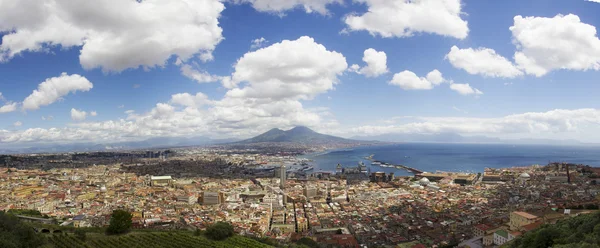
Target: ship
307, 168
362, 167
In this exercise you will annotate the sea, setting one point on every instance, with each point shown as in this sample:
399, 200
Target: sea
471, 158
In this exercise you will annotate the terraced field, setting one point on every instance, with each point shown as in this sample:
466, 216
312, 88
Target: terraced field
151, 239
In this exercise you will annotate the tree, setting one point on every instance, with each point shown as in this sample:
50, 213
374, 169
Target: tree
197, 232
14, 233
219, 231
308, 242
80, 234
120, 222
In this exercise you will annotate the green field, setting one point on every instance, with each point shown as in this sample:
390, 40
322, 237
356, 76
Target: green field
150, 239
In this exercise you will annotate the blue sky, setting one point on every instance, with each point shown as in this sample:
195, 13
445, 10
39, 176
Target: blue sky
136, 63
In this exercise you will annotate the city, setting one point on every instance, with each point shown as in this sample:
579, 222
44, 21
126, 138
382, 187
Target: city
299, 124
187, 188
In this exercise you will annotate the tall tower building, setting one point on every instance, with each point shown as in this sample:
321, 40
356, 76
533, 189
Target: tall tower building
282, 176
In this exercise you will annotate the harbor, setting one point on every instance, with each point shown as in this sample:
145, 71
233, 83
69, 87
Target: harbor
388, 165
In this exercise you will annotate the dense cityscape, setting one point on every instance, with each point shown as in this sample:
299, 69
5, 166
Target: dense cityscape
274, 194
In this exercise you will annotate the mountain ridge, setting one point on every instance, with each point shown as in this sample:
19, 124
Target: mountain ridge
298, 134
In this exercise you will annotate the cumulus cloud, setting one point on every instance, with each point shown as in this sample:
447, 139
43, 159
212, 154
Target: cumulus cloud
198, 76
280, 6
376, 64
296, 69
8, 107
561, 42
465, 89
554, 121
47, 118
114, 35
93, 113
135, 86
18, 124
258, 43
266, 91
482, 61
78, 115
189, 100
53, 89
408, 80
403, 18
596, 1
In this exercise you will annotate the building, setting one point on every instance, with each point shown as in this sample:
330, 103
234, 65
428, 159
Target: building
211, 198
310, 192
189, 199
282, 176
479, 230
500, 237
161, 180
519, 219
488, 240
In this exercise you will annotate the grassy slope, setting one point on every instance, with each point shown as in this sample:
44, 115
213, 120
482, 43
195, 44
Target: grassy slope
151, 239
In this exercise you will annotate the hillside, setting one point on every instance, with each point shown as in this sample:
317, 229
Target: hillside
298, 134
152, 239
580, 231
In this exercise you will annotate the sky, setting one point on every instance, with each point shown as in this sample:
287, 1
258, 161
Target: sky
125, 70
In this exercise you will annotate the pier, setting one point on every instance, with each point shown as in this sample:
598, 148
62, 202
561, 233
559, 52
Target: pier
397, 166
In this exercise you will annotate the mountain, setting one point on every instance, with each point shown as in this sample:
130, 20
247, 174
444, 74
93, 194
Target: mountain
299, 134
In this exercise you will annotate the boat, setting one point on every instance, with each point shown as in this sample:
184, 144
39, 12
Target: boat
308, 168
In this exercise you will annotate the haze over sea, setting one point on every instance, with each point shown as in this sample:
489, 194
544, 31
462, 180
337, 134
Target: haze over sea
455, 157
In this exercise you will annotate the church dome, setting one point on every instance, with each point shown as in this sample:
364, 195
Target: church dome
524, 175
424, 181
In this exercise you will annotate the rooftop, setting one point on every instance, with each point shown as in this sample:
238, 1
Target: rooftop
526, 215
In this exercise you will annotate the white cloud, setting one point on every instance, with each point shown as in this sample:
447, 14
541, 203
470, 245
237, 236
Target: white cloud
435, 77
188, 100
402, 18
8, 107
93, 113
595, 1
198, 76
296, 69
272, 82
113, 34
121, 106
561, 42
537, 123
258, 43
78, 115
482, 61
408, 80
2, 97
47, 118
376, 64
53, 89
465, 89
280, 6
135, 86
18, 124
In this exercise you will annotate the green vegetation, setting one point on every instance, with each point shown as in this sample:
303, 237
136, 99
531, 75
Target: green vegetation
308, 242
152, 239
219, 231
580, 231
27, 212
80, 234
15, 234
120, 222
